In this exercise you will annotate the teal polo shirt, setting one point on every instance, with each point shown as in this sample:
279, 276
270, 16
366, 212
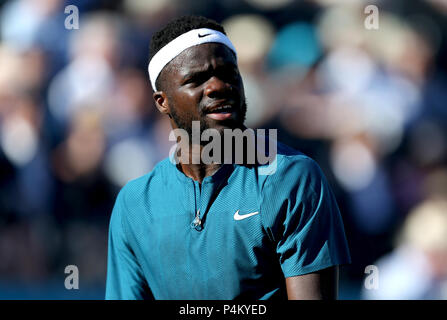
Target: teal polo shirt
236, 235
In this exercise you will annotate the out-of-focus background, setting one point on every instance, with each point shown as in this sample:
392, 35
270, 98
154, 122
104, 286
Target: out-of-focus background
77, 121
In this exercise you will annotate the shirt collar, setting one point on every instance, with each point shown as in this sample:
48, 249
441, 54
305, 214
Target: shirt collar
221, 174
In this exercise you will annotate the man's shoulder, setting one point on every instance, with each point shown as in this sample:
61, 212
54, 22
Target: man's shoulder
293, 171
292, 161
134, 188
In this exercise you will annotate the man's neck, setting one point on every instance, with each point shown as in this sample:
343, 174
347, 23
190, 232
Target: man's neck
199, 172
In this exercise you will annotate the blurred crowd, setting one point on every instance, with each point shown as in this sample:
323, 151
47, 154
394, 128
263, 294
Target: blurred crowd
77, 121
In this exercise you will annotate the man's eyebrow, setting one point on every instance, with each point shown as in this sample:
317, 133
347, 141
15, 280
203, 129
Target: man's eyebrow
194, 72
204, 69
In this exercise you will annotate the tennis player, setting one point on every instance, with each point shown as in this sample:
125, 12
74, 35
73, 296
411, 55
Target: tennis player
220, 230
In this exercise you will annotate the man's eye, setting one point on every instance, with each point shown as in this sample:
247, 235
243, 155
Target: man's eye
189, 80
197, 79
230, 76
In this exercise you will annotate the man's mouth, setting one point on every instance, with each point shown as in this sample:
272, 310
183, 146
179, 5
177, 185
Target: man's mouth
222, 112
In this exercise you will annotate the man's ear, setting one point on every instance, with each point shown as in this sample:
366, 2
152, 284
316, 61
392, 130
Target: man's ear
161, 101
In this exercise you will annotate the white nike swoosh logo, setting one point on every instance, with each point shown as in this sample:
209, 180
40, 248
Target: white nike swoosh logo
237, 216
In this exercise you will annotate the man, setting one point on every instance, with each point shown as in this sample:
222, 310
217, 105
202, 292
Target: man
220, 231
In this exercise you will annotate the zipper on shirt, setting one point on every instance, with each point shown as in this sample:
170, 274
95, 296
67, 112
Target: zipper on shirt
197, 222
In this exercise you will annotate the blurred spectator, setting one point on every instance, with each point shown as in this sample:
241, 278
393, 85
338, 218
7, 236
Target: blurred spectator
89, 78
82, 192
417, 267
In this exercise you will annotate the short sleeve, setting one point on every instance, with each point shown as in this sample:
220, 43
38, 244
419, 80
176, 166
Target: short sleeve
125, 280
303, 218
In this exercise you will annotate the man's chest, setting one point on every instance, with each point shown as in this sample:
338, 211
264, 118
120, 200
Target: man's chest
229, 244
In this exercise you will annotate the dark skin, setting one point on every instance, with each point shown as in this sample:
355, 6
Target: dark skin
195, 81
192, 84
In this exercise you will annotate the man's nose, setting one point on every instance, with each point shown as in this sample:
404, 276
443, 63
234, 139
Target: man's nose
216, 87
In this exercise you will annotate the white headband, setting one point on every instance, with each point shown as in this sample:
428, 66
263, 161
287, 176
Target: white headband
182, 42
